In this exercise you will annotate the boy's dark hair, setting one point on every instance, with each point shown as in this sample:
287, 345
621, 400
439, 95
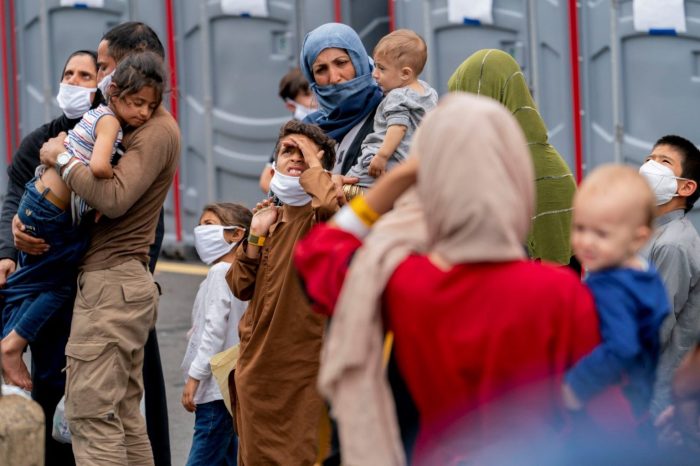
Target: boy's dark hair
230, 214
139, 70
313, 132
130, 37
90, 53
690, 164
292, 84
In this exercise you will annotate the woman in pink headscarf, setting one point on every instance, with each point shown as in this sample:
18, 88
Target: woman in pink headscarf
482, 336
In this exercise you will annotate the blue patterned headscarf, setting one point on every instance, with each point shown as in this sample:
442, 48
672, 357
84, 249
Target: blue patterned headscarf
341, 106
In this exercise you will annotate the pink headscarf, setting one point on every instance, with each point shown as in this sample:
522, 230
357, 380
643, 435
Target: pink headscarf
473, 203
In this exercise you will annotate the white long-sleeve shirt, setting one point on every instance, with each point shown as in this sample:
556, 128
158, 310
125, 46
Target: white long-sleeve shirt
215, 317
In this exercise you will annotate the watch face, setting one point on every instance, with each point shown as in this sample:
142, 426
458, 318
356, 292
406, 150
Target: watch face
63, 158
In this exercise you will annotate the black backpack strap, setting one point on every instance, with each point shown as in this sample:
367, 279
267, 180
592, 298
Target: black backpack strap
355, 150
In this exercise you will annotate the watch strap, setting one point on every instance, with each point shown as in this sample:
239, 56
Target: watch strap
256, 240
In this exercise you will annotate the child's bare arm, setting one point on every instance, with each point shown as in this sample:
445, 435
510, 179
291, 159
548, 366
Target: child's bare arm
394, 136
105, 134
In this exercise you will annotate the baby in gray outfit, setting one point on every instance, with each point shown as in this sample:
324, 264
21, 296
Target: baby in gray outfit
399, 58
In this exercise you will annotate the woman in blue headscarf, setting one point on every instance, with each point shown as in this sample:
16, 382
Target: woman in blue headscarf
339, 71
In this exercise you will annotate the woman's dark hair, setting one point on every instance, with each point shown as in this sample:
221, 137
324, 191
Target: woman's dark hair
230, 214
90, 53
126, 38
313, 132
137, 71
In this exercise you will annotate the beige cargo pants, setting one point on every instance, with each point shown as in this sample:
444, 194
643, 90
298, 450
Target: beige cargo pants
114, 310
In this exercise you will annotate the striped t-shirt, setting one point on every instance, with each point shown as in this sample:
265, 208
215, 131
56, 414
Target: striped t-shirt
80, 142
81, 139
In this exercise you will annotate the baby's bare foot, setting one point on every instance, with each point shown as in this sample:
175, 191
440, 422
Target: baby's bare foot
14, 370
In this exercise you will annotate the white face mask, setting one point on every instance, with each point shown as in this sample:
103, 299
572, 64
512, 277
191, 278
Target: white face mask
661, 179
74, 100
300, 111
210, 243
104, 84
288, 189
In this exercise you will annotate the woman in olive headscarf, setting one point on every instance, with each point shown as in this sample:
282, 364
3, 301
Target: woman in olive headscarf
494, 73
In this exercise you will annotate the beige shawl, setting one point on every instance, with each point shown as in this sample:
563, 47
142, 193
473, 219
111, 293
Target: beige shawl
476, 199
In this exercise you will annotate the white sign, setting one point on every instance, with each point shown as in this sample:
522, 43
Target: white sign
470, 11
659, 15
245, 7
86, 3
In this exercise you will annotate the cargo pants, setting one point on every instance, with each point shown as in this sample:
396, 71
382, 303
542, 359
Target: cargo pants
114, 310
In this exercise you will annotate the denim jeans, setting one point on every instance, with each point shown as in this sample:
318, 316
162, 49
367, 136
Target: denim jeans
43, 284
214, 442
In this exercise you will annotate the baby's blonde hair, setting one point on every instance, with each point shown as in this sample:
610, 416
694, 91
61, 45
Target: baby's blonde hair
626, 187
405, 48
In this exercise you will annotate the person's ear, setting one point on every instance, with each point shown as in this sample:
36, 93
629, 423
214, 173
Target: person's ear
687, 188
290, 106
234, 235
112, 91
238, 234
406, 73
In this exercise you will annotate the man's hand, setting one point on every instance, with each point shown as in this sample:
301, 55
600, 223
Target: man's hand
51, 148
25, 242
7, 266
339, 181
188, 394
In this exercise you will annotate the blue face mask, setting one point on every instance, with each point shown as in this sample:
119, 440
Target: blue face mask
344, 105
331, 96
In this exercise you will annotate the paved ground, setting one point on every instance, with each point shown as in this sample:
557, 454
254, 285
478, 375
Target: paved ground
179, 289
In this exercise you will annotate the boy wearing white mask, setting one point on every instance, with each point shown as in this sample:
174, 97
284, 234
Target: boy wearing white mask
673, 171
215, 317
278, 409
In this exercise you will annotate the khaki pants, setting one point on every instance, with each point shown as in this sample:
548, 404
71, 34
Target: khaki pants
114, 310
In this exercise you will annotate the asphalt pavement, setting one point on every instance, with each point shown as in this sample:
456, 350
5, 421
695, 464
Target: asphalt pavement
179, 283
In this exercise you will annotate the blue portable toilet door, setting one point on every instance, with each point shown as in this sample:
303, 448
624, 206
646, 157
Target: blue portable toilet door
230, 65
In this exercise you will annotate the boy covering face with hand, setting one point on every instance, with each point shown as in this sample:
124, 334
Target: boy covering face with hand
277, 408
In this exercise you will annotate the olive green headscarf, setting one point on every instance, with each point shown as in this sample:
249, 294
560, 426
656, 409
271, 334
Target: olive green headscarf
494, 73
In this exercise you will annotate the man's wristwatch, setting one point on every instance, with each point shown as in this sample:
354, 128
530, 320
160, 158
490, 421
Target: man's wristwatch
62, 160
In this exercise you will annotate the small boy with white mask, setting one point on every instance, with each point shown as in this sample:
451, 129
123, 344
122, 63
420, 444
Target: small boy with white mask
215, 317
673, 171
278, 408
613, 214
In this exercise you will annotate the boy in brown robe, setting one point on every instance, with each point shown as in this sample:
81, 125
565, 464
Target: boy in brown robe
277, 407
